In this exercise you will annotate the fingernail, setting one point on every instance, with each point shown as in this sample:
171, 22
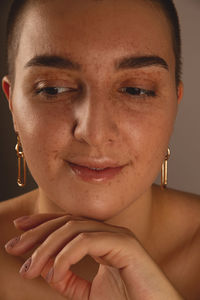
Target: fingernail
13, 242
24, 269
49, 275
21, 219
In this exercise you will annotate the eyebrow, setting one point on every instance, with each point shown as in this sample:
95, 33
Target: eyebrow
127, 62
53, 61
140, 62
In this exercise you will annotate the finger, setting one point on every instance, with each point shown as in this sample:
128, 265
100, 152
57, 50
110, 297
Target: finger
47, 268
78, 288
31, 221
134, 265
57, 240
30, 238
108, 248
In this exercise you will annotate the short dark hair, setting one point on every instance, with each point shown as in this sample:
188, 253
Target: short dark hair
170, 11
15, 23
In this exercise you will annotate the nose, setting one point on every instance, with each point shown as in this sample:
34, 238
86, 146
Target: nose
95, 121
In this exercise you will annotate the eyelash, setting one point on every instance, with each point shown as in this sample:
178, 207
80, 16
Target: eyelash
52, 88
137, 91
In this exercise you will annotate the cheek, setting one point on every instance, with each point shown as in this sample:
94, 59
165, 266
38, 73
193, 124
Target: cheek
147, 133
149, 124
45, 134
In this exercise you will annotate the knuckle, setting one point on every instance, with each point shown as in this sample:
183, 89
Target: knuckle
66, 217
71, 223
60, 260
75, 222
47, 241
84, 236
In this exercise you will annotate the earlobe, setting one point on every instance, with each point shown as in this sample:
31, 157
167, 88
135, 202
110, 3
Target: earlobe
6, 86
180, 91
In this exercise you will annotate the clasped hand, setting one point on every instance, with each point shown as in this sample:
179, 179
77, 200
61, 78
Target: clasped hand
126, 272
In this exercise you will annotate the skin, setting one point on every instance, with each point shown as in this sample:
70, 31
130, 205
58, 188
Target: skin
82, 125
118, 222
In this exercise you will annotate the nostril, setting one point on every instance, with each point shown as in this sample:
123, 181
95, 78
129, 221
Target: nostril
74, 125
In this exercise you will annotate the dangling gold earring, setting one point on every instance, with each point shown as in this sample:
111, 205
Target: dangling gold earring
21, 160
164, 171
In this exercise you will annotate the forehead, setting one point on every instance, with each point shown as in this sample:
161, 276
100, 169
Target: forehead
98, 30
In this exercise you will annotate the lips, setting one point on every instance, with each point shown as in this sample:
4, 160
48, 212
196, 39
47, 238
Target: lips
100, 172
96, 164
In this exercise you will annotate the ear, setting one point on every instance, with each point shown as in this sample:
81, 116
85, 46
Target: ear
180, 91
6, 86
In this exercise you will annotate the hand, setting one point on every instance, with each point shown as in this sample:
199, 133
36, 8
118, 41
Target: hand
126, 271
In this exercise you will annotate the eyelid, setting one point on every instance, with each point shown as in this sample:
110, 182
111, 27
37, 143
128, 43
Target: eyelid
44, 93
41, 84
54, 87
145, 92
45, 83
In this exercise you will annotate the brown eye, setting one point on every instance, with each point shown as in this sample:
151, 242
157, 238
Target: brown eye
54, 91
134, 91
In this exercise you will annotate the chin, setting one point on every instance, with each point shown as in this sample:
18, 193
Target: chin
99, 213
99, 202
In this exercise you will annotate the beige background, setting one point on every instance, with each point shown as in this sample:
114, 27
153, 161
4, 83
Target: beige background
184, 164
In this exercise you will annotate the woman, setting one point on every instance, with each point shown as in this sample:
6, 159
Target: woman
94, 88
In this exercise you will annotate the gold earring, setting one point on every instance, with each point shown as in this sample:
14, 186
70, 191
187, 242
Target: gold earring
164, 170
21, 160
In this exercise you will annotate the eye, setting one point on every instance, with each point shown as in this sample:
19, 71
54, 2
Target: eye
54, 91
135, 91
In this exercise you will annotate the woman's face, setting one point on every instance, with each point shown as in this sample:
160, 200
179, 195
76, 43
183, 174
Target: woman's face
71, 114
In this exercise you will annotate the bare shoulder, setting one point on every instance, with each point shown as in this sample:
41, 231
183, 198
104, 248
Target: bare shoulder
12, 209
180, 207
10, 265
182, 195
182, 264
188, 263
23, 202
186, 209
183, 209
177, 218
13, 286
